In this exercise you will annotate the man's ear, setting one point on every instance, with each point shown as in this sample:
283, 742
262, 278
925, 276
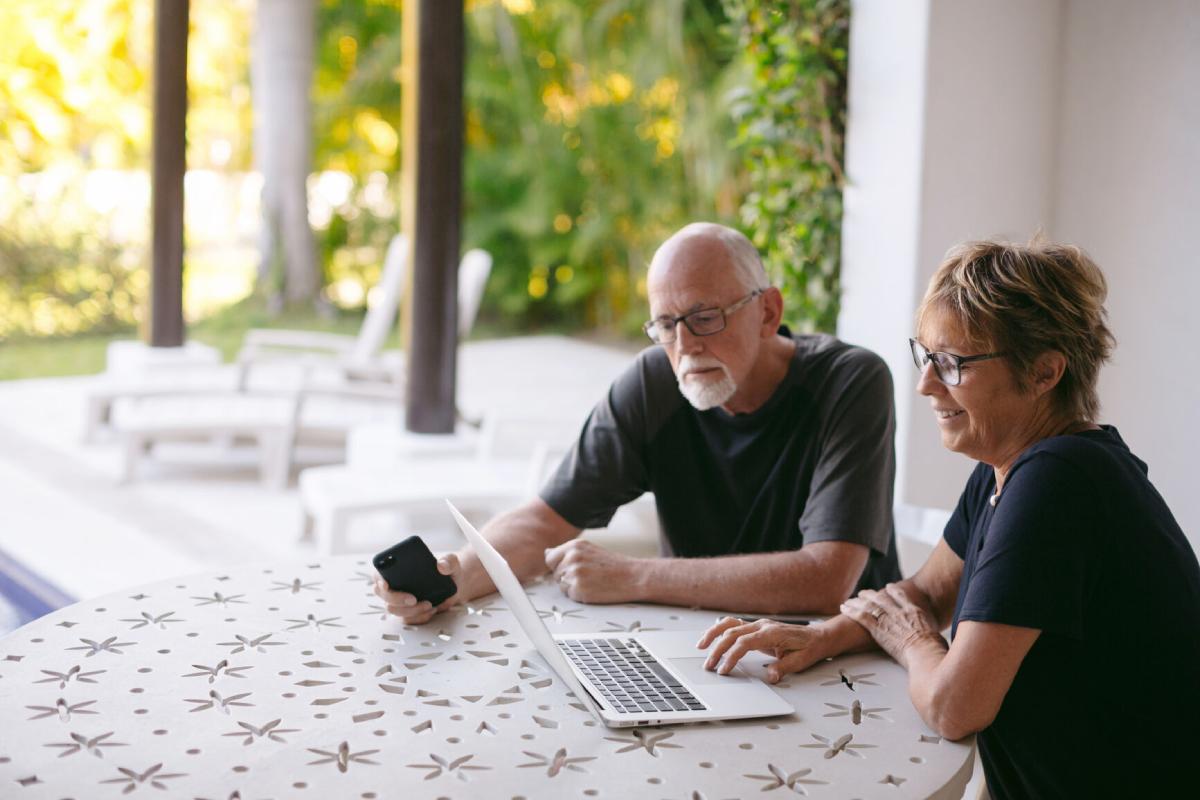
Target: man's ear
1048, 369
772, 312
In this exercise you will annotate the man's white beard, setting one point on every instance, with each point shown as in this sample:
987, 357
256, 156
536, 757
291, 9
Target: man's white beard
705, 391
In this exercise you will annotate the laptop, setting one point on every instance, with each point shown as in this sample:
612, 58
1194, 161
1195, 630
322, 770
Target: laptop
625, 680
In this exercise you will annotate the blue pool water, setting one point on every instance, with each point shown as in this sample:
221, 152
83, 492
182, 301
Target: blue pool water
25, 595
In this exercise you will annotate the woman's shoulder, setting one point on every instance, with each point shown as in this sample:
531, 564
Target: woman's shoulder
1096, 459
1088, 450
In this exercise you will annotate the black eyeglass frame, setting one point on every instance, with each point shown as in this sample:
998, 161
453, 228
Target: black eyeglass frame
654, 324
922, 356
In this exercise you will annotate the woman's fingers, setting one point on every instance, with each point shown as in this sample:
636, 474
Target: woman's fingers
776, 638
898, 595
855, 605
726, 640
792, 661
751, 640
719, 627
731, 639
864, 612
885, 598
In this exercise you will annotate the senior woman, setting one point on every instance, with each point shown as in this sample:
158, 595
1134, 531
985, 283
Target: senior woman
1072, 596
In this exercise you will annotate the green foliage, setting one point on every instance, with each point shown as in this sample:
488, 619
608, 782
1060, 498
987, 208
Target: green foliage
791, 128
60, 273
594, 128
352, 244
75, 84
356, 90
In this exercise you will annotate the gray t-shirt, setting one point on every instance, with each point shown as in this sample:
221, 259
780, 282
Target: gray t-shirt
815, 463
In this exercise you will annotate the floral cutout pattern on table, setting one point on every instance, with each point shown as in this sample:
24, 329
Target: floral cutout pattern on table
265, 682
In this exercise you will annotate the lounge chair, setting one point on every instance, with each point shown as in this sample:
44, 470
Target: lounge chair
216, 380
275, 423
499, 466
350, 356
360, 357
297, 361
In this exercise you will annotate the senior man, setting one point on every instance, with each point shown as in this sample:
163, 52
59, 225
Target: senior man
770, 456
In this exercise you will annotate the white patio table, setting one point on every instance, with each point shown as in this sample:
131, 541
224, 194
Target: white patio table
285, 681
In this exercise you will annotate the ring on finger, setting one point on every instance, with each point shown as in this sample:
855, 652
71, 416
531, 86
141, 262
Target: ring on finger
877, 613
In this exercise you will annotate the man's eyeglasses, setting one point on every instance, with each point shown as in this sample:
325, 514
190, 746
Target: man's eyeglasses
702, 322
947, 365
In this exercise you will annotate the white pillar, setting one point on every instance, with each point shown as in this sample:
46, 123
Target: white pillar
952, 131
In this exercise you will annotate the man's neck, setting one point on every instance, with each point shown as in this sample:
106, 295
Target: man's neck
769, 371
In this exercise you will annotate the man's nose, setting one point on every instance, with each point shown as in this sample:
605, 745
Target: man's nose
686, 341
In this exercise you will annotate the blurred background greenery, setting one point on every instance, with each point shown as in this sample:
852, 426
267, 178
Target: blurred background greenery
594, 128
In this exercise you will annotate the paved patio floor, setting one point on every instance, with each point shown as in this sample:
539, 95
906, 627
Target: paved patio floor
65, 516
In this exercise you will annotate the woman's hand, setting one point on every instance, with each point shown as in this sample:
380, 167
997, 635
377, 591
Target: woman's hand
795, 647
896, 618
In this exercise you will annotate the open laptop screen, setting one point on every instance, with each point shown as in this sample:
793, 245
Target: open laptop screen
518, 602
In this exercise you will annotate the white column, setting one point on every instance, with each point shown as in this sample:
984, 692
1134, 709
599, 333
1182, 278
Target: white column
881, 202
1129, 194
951, 136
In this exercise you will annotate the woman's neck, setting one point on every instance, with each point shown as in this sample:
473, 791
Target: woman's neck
1057, 425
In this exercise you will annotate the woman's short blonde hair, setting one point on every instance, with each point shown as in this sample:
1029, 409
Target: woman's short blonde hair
1025, 300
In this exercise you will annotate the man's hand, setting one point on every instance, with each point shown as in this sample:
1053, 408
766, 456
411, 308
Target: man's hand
407, 608
588, 573
795, 647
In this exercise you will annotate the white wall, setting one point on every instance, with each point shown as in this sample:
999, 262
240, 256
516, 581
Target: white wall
1078, 117
991, 90
1129, 193
881, 200
950, 137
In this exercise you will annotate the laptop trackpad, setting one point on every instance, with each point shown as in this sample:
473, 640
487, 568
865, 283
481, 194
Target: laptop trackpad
692, 670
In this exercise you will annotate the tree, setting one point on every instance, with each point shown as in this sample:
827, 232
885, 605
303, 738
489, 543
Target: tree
282, 62
791, 131
595, 128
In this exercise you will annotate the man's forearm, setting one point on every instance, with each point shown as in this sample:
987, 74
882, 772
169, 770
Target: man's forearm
522, 536
522, 554
763, 583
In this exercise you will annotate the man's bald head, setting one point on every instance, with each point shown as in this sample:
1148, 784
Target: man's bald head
711, 247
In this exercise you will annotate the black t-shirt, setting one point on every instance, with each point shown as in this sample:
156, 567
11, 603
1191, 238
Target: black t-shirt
1081, 547
815, 463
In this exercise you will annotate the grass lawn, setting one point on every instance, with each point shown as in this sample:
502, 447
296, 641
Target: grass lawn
44, 357
52, 356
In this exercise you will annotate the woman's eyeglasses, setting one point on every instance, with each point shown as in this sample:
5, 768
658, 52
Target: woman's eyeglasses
947, 365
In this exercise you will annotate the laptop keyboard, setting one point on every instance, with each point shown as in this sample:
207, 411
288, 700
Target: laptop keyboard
630, 679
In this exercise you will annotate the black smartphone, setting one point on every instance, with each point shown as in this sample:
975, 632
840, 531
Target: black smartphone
410, 567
